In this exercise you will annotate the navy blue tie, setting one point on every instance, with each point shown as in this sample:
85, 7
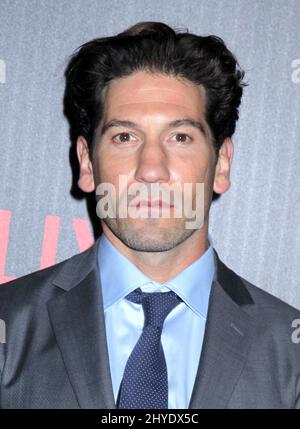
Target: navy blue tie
145, 379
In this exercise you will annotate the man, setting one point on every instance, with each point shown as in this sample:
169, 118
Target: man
149, 317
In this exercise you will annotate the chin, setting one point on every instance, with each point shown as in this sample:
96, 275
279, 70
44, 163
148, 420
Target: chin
148, 236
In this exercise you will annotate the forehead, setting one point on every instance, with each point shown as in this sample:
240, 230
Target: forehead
145, 90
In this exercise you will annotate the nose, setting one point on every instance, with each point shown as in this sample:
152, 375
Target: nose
152, 163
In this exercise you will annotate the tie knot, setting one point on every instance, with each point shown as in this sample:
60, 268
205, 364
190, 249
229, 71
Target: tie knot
156, 305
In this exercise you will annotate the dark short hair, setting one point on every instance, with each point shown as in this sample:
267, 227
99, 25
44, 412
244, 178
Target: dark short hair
154, 47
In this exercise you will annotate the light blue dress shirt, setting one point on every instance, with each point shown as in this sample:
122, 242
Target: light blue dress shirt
183, 330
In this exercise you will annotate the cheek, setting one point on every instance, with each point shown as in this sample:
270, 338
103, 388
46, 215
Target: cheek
195, 166
192, 171
108, 167
109, 170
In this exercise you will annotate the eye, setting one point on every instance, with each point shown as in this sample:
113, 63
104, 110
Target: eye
181, 138
123, 138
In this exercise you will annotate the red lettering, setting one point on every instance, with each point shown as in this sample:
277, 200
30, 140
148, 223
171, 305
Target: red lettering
83, 234
5, 218
49, 246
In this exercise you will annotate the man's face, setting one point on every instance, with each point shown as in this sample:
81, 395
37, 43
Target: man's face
153, 149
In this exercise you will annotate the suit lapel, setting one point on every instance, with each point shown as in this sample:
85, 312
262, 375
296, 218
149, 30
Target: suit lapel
77, 319
228, 336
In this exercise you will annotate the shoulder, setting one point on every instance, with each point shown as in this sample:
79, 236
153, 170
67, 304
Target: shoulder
276, 321
26, 291
275, 324
268, 304
272, 317
245, 293
37, 287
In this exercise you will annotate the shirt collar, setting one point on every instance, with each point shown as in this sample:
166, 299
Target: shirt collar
119, 276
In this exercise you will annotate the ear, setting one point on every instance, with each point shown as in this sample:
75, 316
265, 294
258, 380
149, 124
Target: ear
86, 178
222, 171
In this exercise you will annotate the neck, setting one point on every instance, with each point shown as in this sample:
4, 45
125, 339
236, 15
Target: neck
162, 266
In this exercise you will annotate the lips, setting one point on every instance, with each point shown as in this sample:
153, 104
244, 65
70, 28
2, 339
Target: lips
158, 204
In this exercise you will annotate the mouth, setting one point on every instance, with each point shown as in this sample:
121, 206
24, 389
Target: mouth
156, 204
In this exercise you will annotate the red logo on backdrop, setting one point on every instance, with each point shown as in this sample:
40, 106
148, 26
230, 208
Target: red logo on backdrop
50, 240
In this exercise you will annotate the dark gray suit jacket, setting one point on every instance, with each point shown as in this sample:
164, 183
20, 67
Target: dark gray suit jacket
56, 356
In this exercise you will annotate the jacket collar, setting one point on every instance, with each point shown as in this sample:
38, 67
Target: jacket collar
77, 319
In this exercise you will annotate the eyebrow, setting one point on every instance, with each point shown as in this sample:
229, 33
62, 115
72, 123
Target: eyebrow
173, 124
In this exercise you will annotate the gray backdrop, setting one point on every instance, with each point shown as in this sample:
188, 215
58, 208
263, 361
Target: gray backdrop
255, 226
